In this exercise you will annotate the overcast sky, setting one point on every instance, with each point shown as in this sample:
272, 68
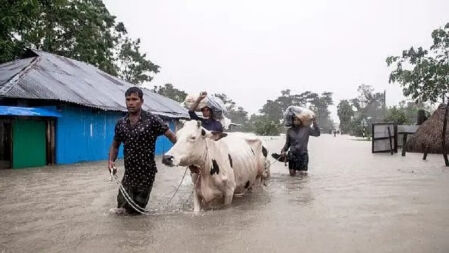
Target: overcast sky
252, 49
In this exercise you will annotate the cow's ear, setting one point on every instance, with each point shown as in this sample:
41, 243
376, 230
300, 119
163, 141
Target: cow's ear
182, 121
217, 135
198, 123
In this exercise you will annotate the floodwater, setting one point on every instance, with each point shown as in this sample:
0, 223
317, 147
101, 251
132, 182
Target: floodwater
351, 201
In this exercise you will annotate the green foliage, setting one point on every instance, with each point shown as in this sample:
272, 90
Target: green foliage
320, 105
356, 127
369, 104
168, 90
239, 116
357, 115
236, 114
345, 114
14, 18
368, 107
273, 110
263, 125
83, 30
396, 115
270, 120
424, 74
135, 67
406, 113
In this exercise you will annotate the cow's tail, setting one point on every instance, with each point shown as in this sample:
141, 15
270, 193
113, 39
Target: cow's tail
267, 165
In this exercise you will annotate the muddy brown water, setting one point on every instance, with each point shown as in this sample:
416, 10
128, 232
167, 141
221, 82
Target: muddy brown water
351, 201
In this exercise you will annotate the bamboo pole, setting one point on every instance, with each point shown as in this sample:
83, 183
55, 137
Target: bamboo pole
389, 138
446, 161
426, 150
404, 141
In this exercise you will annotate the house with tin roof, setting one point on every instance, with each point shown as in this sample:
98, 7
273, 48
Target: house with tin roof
56, 110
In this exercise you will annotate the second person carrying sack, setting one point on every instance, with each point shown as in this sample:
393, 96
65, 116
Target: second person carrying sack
213, 102
305, 115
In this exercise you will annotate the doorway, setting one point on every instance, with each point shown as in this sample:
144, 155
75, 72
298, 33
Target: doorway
5, 144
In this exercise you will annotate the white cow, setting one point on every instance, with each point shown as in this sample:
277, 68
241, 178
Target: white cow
229, 164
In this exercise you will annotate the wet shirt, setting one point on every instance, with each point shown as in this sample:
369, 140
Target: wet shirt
139, 144
298, 138
209, 124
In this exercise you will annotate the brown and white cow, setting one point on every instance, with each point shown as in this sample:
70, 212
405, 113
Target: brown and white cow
227, 165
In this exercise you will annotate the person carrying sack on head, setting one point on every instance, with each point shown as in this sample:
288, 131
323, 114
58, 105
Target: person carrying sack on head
297, 140
209, 123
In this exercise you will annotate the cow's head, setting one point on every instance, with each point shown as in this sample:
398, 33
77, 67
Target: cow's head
190, 147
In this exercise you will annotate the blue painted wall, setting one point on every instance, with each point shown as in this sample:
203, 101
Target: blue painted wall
84, 134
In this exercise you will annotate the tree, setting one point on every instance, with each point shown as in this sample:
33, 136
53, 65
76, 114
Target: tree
15, 17
368, 106
405, 113
272, 111
396, 115
83, 30
239, 116
236, 114
424, 74
345, 114
263, 125
229, 104
320, 105
135, 67
168, 90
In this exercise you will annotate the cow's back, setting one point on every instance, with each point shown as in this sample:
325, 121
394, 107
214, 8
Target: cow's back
247, 157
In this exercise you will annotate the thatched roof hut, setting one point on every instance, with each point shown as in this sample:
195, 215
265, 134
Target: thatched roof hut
429, 134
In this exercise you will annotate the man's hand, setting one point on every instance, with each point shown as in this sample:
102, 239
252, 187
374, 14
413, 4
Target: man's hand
202, 96
111, 167
113, 152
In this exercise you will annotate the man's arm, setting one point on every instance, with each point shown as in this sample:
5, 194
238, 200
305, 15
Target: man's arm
193, 116
171, 136
113, 153
287, 144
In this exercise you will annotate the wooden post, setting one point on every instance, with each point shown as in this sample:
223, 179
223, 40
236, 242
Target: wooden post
395, 136
404, 141
52, 142
446, 161
425, 150
48, 142
389, 137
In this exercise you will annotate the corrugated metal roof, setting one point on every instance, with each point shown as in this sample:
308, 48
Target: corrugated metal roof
53, 77
407, 128
28, 111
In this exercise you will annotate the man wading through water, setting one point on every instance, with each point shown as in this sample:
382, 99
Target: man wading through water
138, 131
297, 141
